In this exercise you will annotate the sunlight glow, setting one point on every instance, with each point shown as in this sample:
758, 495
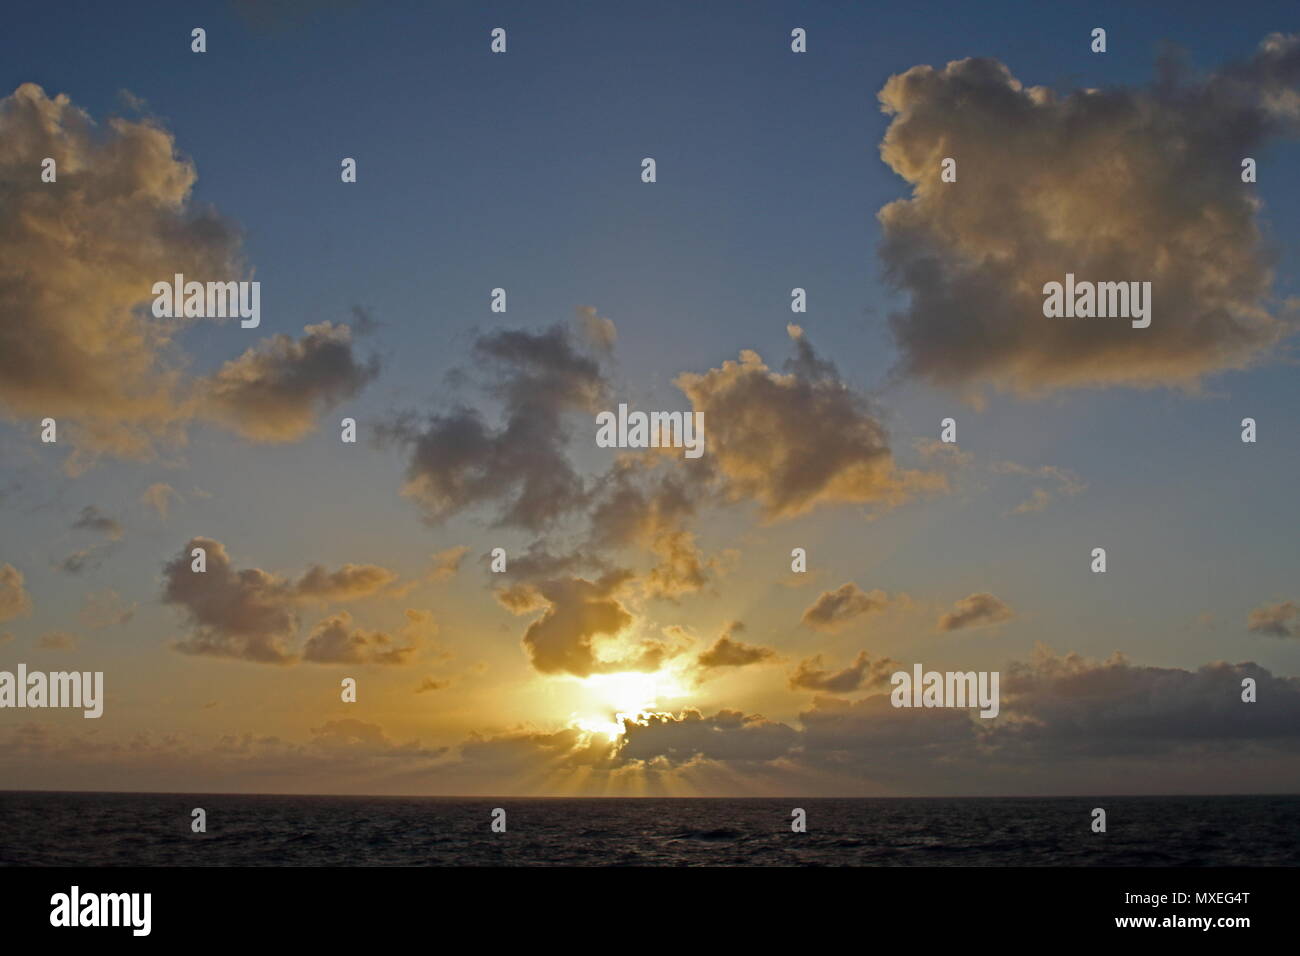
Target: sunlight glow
613, 698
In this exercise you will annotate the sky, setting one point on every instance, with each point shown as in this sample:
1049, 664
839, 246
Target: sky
648, 635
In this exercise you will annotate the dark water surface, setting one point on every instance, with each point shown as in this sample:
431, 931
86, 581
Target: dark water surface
131, 829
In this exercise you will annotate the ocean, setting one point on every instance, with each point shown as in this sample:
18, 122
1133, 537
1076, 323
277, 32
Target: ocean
135, 829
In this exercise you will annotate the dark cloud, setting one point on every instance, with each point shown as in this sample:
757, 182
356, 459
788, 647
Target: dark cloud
347, 583
458, 461
92, 519
83, 559
277, 388
648, 503
253, 615
863, 674
728, 735
975, 610
335, 641
728, 652
835, 610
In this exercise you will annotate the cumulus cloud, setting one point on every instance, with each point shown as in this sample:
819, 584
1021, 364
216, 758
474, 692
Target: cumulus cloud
1280, 620
335, 641
14, 599
579, 618
975, 610
347, 583
1033, 201
78, 259
797, 439
863, 674
728, 652
457, 460
253, 615
835, 610
277, 388
647, 504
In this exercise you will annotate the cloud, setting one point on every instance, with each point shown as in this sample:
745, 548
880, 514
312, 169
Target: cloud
1066, 481
159, 496
579, 619
835, 610
638, 503
728, 735
339, 750
726, 652
1068, 725
600, 332
246, 614
252, 615
14, 599
457, 461
57, 641
1114, 705
80, 560
862, 674
78, 261
78, 258
1032, 203
447, 563
92, 519
277, 388
795, 440
1072, 725
105, 609
975, 610
348, 583
429, 684
335, 641
1275, 619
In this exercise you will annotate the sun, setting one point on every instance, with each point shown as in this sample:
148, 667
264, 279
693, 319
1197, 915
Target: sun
608, 699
